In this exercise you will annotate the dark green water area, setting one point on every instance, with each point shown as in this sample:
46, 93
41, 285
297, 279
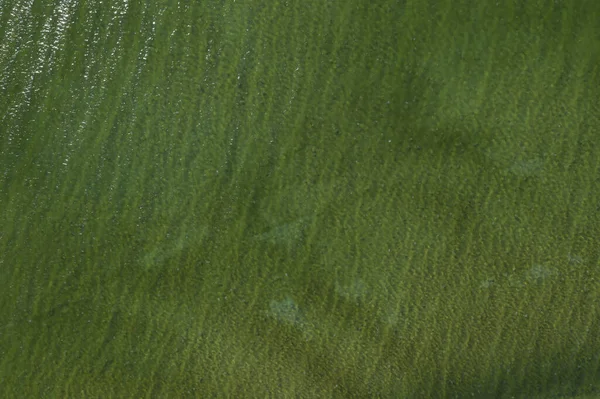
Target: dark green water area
300, 199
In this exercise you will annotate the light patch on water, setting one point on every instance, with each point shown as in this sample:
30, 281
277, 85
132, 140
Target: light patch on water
292, 212
287, 233
515, 161
355, 290
536, 274
287, 311
391, 315
525, 168
162, 252
540, 273
487, 283
574, 260
171, 247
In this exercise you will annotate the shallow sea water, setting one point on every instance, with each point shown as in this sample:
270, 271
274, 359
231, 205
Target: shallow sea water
299, 199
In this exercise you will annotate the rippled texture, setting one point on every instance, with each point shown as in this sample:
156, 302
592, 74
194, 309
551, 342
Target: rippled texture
309, 199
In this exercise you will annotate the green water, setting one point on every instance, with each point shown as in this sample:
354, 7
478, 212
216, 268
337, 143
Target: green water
307, 199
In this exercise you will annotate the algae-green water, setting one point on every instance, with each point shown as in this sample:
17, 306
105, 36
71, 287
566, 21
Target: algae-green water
299, 199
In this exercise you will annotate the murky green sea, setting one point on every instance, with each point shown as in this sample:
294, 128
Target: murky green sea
300, 199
